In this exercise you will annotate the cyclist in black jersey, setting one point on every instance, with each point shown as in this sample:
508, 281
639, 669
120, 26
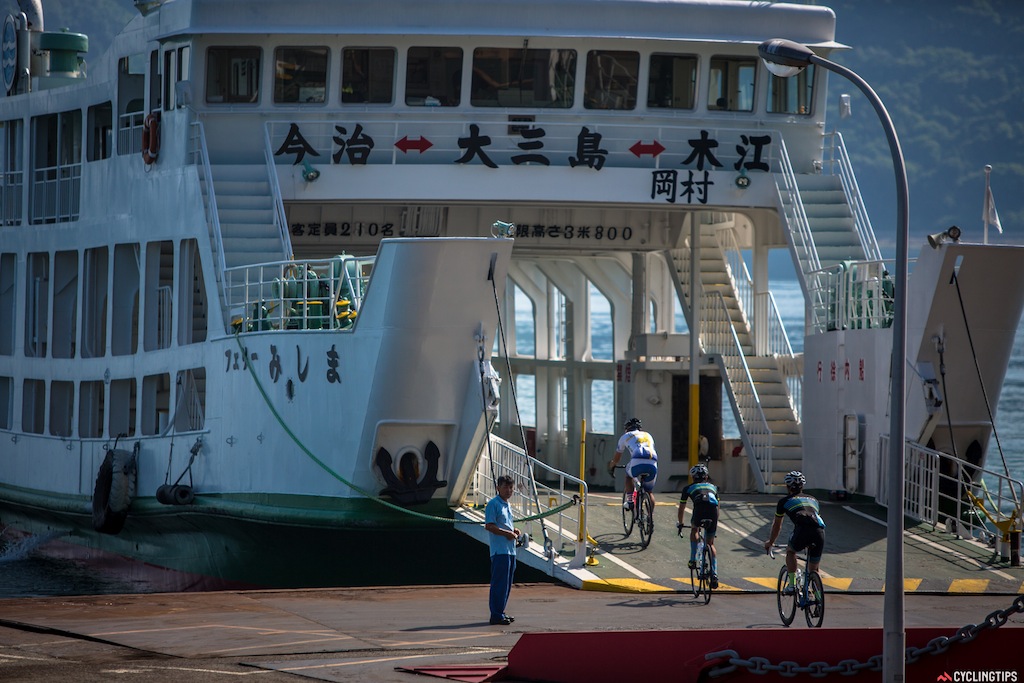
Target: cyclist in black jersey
704, 495
808, 527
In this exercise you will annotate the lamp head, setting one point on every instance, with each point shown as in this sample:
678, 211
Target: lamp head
952, 233
503, 229
309, 174
784, 58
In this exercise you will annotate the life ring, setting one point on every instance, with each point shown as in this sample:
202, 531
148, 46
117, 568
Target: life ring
114, 490
151, 138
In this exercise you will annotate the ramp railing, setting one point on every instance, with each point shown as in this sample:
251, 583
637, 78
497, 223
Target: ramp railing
948, 492
539, 489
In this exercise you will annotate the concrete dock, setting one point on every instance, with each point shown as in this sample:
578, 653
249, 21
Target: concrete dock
378, 634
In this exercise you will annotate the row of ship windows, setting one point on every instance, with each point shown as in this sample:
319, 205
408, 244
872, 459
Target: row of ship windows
502, 77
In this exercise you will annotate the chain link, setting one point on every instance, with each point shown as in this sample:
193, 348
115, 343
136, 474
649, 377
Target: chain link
848, 667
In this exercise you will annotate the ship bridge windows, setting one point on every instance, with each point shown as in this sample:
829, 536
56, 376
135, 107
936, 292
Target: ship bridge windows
522, 77
177, 64
433, 77
792, 95
672, 81
611, 80
368, 75
731, 83
233, 75
300, 75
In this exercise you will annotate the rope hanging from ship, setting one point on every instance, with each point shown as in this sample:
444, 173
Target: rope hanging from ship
151, 138
366, 494
966, 481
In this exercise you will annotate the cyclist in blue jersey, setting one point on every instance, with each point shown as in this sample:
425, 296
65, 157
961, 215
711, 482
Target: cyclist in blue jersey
643, 459
808, 527
704, 495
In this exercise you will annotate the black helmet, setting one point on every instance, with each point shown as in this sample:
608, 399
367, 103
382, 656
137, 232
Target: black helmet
631, 424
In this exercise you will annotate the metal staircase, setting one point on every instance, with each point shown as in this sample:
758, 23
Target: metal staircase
754, 364
245, 206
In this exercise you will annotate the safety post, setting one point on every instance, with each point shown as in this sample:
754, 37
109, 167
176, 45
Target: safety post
583, 534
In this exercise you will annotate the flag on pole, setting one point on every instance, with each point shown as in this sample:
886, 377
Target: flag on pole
989, 215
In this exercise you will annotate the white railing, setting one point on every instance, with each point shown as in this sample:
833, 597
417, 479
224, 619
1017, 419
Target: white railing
951, 493
838, 163
792, 206
10, 197
280, 221
56, 193
563, 534
311, 295
201, 160
851, 296
129, 132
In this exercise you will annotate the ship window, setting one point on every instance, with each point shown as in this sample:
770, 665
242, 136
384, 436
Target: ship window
101, 131
91, 403
55, 192
611, 79
37, 300
124, 338
159, 301
62, 399
232, 74
792, 95
193, 306
122, 407
190, 400
672, 82
33, 406
12, 177
731, 83
433, 77
300, 75
521, 77
368, 75
65, 304
6, 403
94, 302
131, 90
8, 266
156, 403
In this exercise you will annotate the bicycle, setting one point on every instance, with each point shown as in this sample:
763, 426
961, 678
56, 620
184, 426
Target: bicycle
640, 511
808, 596
700, 575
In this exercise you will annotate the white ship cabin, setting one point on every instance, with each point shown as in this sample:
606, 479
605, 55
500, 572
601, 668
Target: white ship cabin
646, 157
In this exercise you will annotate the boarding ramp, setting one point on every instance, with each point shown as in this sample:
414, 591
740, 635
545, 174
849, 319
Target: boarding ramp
554, 514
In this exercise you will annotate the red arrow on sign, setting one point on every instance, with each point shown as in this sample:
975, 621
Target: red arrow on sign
654, 149
422, 144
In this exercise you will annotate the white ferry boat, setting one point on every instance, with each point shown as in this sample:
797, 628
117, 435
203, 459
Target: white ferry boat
256, 262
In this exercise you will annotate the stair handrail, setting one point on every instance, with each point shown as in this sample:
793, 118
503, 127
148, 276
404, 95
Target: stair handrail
839, 164
280, 220
201, 158
725, 344
792, 206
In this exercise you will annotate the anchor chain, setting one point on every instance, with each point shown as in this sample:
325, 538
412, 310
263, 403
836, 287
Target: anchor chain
847, 667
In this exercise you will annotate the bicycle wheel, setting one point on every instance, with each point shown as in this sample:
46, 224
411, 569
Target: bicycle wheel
646, 518
695, 570
705, 573
814, 610
787, 603
627, 514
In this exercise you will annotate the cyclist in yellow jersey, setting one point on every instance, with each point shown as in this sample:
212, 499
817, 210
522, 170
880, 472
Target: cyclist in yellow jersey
643, 459
808, 527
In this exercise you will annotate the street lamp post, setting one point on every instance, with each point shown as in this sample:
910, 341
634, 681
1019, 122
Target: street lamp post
786, 58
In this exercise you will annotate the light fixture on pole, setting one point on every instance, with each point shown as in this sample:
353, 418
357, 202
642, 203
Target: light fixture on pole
785, 58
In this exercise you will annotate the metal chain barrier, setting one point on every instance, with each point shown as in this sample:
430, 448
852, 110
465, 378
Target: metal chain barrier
848, 667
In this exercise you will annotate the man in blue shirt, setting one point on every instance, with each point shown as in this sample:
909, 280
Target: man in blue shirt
808, 527
498, 518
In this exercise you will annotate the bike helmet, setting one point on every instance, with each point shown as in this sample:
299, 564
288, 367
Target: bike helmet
795, 479
632, 424
699, 472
